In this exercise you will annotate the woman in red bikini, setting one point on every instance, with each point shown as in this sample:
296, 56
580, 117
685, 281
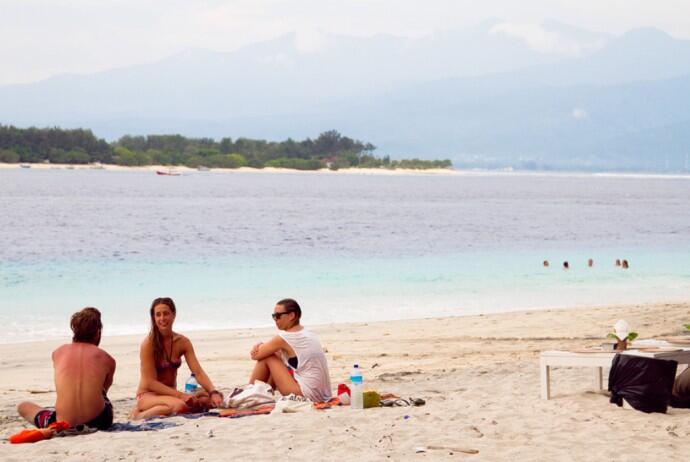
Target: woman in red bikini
161, 355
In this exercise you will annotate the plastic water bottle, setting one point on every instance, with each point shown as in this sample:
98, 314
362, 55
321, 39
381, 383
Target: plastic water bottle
356, 388
191, 385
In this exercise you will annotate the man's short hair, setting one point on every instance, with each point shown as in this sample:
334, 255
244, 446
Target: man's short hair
85, 324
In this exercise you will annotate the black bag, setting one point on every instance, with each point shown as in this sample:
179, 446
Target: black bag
645, 383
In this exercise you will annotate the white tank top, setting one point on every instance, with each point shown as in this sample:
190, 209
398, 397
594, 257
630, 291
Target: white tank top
312, 368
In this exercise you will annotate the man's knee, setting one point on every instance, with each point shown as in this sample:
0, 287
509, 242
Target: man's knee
23, 406
27, 409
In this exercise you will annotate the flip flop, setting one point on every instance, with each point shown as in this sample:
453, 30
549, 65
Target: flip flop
398, 402
417, 401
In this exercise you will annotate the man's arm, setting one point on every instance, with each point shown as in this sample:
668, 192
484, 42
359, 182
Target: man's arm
110, 372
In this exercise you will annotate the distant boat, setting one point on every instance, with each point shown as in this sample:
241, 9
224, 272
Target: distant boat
25, 165
170, 172
203, 168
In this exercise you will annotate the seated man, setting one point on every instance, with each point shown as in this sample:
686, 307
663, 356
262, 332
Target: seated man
83, 375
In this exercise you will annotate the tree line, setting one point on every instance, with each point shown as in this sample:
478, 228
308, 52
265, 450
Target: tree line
78, 146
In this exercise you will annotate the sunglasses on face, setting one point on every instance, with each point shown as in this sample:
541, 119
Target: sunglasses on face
277, 316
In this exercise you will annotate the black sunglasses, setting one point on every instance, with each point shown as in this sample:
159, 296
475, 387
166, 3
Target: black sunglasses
277, 316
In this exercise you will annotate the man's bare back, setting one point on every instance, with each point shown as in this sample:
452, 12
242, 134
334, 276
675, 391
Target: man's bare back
83, 374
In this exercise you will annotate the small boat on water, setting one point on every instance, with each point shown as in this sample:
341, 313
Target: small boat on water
170, 172
25, 165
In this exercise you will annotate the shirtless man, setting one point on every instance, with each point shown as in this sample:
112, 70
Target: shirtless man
83, 375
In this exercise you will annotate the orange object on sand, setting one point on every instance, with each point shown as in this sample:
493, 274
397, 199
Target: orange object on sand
38, 434
31, 435
328, 404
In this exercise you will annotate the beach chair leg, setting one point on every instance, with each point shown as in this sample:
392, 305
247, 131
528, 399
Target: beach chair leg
545, 381
598, 378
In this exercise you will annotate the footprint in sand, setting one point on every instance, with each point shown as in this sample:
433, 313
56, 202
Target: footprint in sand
473, 431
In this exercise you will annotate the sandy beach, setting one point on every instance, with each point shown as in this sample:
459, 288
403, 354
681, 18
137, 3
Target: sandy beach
181, 169
478, 374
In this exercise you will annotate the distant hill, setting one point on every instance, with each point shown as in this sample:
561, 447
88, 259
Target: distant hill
481, 96
637, 125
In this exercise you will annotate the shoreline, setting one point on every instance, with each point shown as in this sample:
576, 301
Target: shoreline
183, 170
478, 374
318, 326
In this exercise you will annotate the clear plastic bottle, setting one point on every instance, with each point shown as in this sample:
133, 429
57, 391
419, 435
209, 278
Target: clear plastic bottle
356, 388
191, 385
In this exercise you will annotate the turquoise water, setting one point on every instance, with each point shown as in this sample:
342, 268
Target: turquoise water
226, 247
240, 292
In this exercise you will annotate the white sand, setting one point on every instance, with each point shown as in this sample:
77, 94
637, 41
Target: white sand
478, 374
186, 170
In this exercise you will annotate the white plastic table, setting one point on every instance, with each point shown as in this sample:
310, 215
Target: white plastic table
597, 360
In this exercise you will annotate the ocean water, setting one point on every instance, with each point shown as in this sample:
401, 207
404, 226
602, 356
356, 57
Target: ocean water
227, 246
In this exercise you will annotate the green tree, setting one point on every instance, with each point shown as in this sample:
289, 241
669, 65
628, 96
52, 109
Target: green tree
194, 161
299, 164
159, 157
227, 161
124, 156
77, 156
8, 156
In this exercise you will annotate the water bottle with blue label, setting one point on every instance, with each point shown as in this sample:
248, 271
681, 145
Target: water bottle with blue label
191, 385
356, 388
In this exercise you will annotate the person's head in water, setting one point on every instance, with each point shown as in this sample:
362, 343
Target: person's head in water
86, 326
162, 313
590, 262
287, 314
566, 265
546, 263
625, 264
618, 262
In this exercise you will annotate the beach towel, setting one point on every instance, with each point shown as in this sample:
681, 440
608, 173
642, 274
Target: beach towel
235, 413
327, 404
145, 426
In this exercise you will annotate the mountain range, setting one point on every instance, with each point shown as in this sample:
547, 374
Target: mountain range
493, 95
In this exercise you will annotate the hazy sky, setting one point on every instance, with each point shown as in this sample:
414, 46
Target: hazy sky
40, 38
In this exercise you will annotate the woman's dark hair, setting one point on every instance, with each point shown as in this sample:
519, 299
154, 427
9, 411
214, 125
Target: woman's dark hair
85, 324
155, 334
291, 306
